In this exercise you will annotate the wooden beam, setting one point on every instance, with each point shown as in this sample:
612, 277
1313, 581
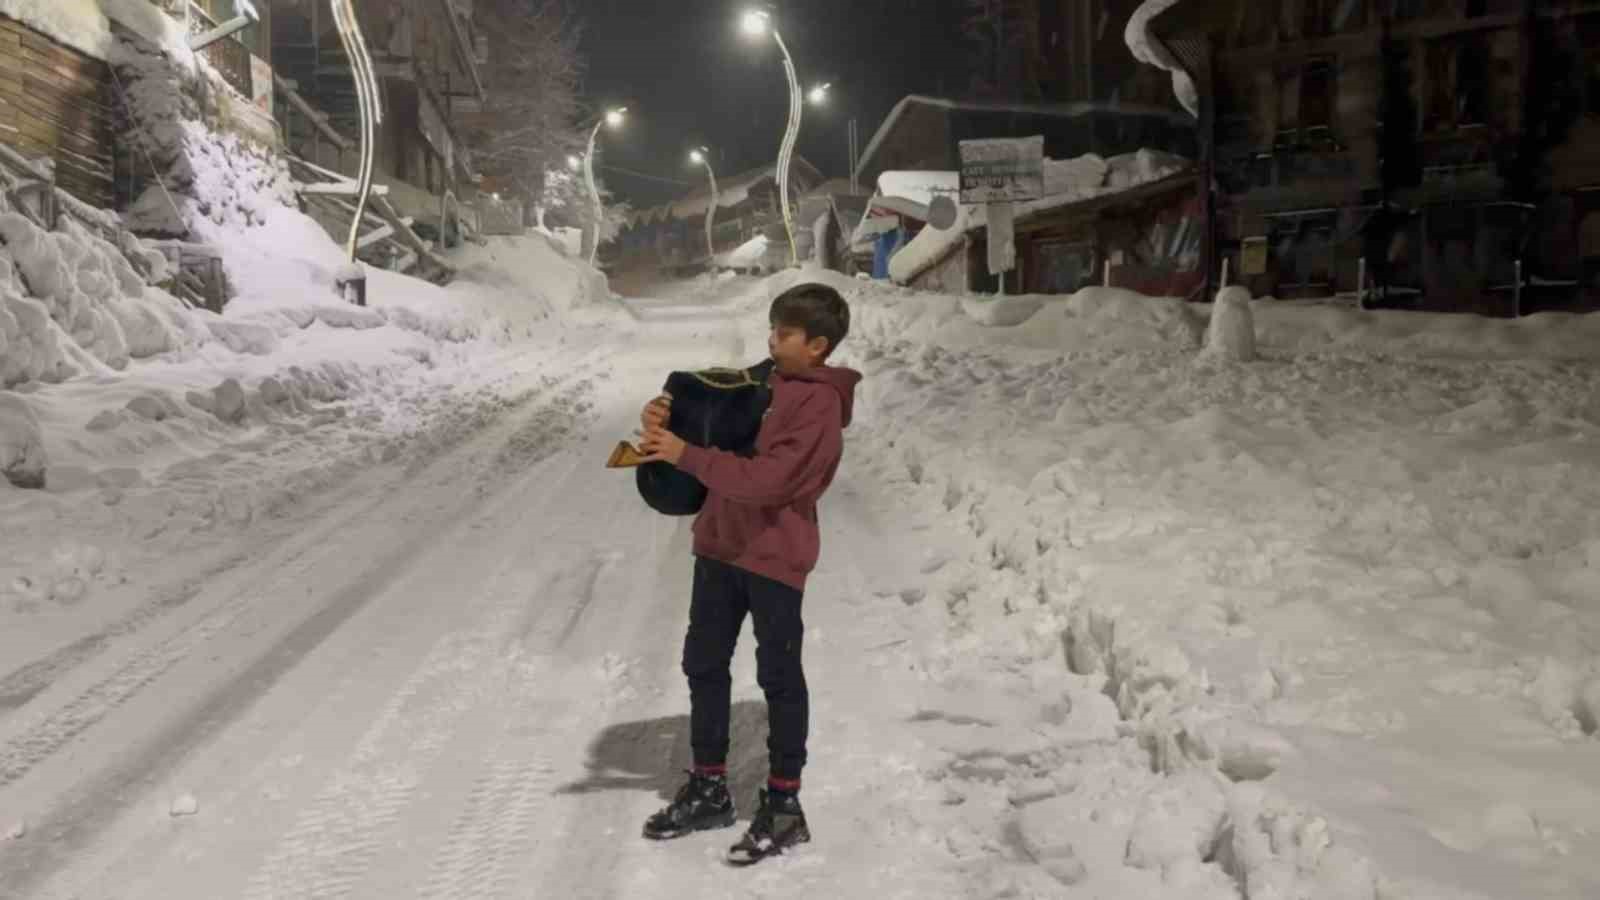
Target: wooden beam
318, 118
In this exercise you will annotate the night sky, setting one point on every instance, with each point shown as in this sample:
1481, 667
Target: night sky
690, 76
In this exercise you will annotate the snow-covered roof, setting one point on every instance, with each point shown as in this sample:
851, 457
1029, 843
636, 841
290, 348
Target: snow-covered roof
730, 192
1067, 182
1058, 110
919, 187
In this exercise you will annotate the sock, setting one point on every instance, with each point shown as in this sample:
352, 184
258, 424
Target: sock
719, 770
776, 785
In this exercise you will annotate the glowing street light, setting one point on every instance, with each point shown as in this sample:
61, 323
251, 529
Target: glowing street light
819, 94
574, 163
756, 23
614, 119
702, 156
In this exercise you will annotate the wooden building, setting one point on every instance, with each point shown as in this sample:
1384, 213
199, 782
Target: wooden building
427, 54
56, 101
1487, 112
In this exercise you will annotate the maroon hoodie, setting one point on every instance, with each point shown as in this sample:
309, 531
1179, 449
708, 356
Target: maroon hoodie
760, 513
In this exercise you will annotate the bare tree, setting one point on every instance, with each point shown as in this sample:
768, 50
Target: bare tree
530, 123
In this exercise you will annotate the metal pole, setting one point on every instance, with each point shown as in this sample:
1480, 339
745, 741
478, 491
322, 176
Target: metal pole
711, 212
594, 191
786, 152
371, 109
1516, 294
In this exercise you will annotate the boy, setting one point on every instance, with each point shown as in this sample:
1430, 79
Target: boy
755, 540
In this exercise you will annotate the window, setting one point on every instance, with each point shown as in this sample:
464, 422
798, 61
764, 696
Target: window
1472, 84
1592, 79
1317, 96
1254, 24
1458, 74
1325, 17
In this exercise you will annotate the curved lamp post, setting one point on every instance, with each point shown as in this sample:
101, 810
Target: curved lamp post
703, 156
613, 118
758, 22
371, 109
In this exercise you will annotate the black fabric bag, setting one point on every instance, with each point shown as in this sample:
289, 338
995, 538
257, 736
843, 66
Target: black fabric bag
717, 408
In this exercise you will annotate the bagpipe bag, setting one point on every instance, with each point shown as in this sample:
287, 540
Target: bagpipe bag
717, 408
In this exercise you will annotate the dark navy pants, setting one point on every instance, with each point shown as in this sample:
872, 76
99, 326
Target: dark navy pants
722, 596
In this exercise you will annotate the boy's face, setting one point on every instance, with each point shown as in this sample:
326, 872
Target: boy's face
792, 351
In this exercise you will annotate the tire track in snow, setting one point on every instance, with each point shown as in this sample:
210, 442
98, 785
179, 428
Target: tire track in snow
336, 841
500, 820
38, 743
332, 844
496, 828
82, 811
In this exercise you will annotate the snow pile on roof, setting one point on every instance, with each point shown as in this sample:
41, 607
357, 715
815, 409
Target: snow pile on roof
1147, 49
85, 25
1066, 182
919, 187
747, 255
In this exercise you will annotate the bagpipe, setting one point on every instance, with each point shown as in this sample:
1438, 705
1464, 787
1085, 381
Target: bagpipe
717, 408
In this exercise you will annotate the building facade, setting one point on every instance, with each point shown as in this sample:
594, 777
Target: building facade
1436, 151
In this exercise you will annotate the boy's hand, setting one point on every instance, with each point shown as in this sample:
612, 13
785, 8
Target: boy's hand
656, 413
661, 445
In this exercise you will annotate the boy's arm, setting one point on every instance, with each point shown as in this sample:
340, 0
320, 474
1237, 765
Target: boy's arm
796, 465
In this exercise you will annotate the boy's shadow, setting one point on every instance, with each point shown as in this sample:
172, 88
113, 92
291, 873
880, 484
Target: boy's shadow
652, 755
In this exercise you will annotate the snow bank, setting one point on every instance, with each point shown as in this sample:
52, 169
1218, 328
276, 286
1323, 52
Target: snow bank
22, 456
211, 181
1147, 49
71, 303
1215, 614
1317, 328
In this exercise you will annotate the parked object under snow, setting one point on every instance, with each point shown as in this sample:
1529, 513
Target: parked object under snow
1232, 332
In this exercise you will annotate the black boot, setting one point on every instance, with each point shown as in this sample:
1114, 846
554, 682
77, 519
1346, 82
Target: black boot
779, 824
702, 803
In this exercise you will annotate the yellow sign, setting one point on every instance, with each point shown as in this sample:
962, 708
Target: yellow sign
1253, 258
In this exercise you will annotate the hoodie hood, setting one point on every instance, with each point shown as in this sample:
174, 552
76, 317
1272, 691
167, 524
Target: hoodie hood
842, 380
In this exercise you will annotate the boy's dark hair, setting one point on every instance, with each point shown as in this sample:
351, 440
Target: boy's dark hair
816, 309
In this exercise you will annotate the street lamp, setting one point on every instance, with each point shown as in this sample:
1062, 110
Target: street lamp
702, 156
370, 106
757, 22
614, 119
819, 94
574, 163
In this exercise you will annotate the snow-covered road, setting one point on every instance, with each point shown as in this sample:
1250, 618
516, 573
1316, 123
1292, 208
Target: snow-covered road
1094, 617
457, 678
